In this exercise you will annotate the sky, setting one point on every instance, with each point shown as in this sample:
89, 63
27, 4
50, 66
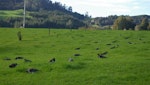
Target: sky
104, 8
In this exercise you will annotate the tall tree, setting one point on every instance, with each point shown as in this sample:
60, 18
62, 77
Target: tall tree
70, 8
130, 23
119, 23
144, 24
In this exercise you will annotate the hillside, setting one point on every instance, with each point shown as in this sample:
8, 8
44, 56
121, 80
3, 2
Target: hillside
40, 13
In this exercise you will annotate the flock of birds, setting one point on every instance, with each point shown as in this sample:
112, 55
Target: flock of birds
52, 60
32, 70
13, 65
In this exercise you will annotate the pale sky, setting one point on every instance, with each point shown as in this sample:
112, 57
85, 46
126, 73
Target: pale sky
102, 8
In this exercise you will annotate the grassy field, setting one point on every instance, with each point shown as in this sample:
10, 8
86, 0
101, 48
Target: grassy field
127, 61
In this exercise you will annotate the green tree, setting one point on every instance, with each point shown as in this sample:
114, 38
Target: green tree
119, 23
123, 22
70, 8
144, 24
130, 25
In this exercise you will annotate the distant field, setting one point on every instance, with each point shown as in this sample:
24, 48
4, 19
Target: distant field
127, 55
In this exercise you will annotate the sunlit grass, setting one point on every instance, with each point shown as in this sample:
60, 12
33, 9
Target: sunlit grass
13, 13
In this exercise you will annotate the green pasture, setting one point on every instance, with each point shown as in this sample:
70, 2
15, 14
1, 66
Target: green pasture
127, 61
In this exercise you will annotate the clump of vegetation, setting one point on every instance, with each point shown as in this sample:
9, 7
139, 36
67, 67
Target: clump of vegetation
123, 22
144, 25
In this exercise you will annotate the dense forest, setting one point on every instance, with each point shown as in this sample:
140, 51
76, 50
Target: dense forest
49, 14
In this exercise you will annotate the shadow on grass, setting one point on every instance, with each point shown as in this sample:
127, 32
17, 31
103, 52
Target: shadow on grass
22, 70
75, 66
7, 49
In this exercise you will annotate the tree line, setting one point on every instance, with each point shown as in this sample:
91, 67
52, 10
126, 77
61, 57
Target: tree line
141, 22
127, 23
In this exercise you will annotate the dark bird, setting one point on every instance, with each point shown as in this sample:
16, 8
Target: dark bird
32, 70
104, 53
70, 60
13, 65
18, 58
101, 56
76, 54
77, 48
52, 60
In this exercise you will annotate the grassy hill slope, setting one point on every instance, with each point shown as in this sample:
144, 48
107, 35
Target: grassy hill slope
127, 61
13, 13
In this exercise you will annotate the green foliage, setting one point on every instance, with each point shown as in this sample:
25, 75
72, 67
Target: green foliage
109, 21
127, 64
138, 19
130, 25
9, 21
123, 22
8, 13
105, 21
119, 23
144, 24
